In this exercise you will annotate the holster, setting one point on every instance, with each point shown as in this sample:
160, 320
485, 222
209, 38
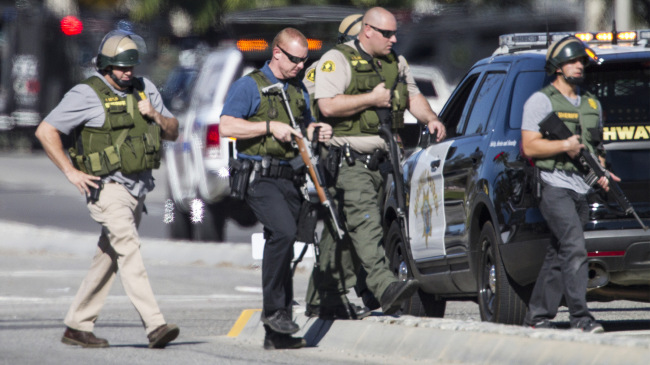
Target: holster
331, 158
534, 181
307, 220
240, 171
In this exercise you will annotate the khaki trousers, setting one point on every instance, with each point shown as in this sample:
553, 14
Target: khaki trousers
119, 214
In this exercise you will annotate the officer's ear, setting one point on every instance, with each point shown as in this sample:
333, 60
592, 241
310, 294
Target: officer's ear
276, 53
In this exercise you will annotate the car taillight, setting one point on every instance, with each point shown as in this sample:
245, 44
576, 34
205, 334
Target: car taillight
212, 136
212, 141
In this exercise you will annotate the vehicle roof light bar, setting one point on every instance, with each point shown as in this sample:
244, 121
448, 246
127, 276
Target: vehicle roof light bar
539, 40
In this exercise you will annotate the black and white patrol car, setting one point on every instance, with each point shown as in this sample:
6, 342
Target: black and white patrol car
474, 230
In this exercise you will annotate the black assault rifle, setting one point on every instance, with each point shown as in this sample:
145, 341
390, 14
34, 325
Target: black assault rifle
311, 163
553, 128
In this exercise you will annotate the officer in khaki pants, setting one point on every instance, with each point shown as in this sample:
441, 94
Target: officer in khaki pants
117, 122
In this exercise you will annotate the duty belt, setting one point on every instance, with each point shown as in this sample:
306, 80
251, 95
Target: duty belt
371, 160
274, 168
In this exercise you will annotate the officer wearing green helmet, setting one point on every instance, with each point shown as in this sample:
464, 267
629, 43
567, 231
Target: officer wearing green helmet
117, 122
563, 201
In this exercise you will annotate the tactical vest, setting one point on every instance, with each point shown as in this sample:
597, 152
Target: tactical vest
272, 108
364, 78
126, 142
586, 115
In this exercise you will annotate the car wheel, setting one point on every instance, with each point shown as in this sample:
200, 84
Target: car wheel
239, 211
179, 226
498, 300
213, 226
420, 304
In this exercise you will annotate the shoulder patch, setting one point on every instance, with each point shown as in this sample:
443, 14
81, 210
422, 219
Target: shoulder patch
311, 75
592, 103
328, 66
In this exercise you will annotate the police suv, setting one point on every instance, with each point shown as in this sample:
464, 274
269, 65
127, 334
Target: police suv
472, 227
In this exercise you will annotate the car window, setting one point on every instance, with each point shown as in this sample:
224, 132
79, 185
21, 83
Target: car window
525, 85
483, 104
208, 81
454, 109
623, 91
426, 88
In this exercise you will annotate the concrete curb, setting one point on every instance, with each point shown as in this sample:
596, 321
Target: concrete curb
410, 339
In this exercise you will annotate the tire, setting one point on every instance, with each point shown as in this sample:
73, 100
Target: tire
497, 295
213, 226
210, 229
421, 304
239, 211
180, 227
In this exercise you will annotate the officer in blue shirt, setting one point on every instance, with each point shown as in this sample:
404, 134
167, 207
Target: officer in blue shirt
261, 123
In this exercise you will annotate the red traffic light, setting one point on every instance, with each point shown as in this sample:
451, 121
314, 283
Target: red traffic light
71, 25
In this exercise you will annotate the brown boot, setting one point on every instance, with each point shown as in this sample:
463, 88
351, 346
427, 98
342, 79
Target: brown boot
82, 338
161, 336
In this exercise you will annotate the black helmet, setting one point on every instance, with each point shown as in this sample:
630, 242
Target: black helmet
350, 28
566, 49
120, 48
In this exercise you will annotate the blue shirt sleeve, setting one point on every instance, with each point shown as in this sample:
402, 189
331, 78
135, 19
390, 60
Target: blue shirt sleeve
243, 99
307, 116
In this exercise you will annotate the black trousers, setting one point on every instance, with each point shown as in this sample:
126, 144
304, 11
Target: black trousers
276, 204
564, 271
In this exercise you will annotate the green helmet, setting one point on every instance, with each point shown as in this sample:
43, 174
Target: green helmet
566, 49
120, 48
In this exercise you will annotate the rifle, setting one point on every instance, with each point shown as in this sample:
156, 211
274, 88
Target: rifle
137, 84
312, 164
385, 118
553, 128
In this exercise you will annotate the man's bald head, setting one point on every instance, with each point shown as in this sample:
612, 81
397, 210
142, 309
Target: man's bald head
378, 15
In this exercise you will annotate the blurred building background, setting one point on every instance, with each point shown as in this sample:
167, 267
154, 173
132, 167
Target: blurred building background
48, 46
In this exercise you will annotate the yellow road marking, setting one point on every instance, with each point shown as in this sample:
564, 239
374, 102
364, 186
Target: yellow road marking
244, 317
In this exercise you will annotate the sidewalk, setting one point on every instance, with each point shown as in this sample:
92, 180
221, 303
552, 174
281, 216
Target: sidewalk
377, 338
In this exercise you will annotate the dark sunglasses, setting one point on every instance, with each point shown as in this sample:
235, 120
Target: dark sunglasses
385, 33
293, 58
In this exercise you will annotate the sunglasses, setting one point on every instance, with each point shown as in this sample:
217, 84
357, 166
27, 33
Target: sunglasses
293, 58
385, 33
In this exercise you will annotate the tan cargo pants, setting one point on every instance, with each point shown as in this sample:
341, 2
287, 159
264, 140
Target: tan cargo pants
119, 213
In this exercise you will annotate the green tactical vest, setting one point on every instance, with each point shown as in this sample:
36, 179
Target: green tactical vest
273, 108
126, 142
587, 115
364, 78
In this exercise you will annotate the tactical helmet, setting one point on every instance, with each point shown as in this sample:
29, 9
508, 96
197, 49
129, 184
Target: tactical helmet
350, 27
120, 48
566, 49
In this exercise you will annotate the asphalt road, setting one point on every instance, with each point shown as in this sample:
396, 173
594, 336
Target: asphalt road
46, 241
34, 191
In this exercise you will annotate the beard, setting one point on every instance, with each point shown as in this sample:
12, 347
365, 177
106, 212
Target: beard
576, 81
121, 83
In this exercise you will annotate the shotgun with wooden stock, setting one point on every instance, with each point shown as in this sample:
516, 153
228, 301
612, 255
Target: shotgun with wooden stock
312, 164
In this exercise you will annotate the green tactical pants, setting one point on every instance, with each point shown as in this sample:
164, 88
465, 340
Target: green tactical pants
358, 192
